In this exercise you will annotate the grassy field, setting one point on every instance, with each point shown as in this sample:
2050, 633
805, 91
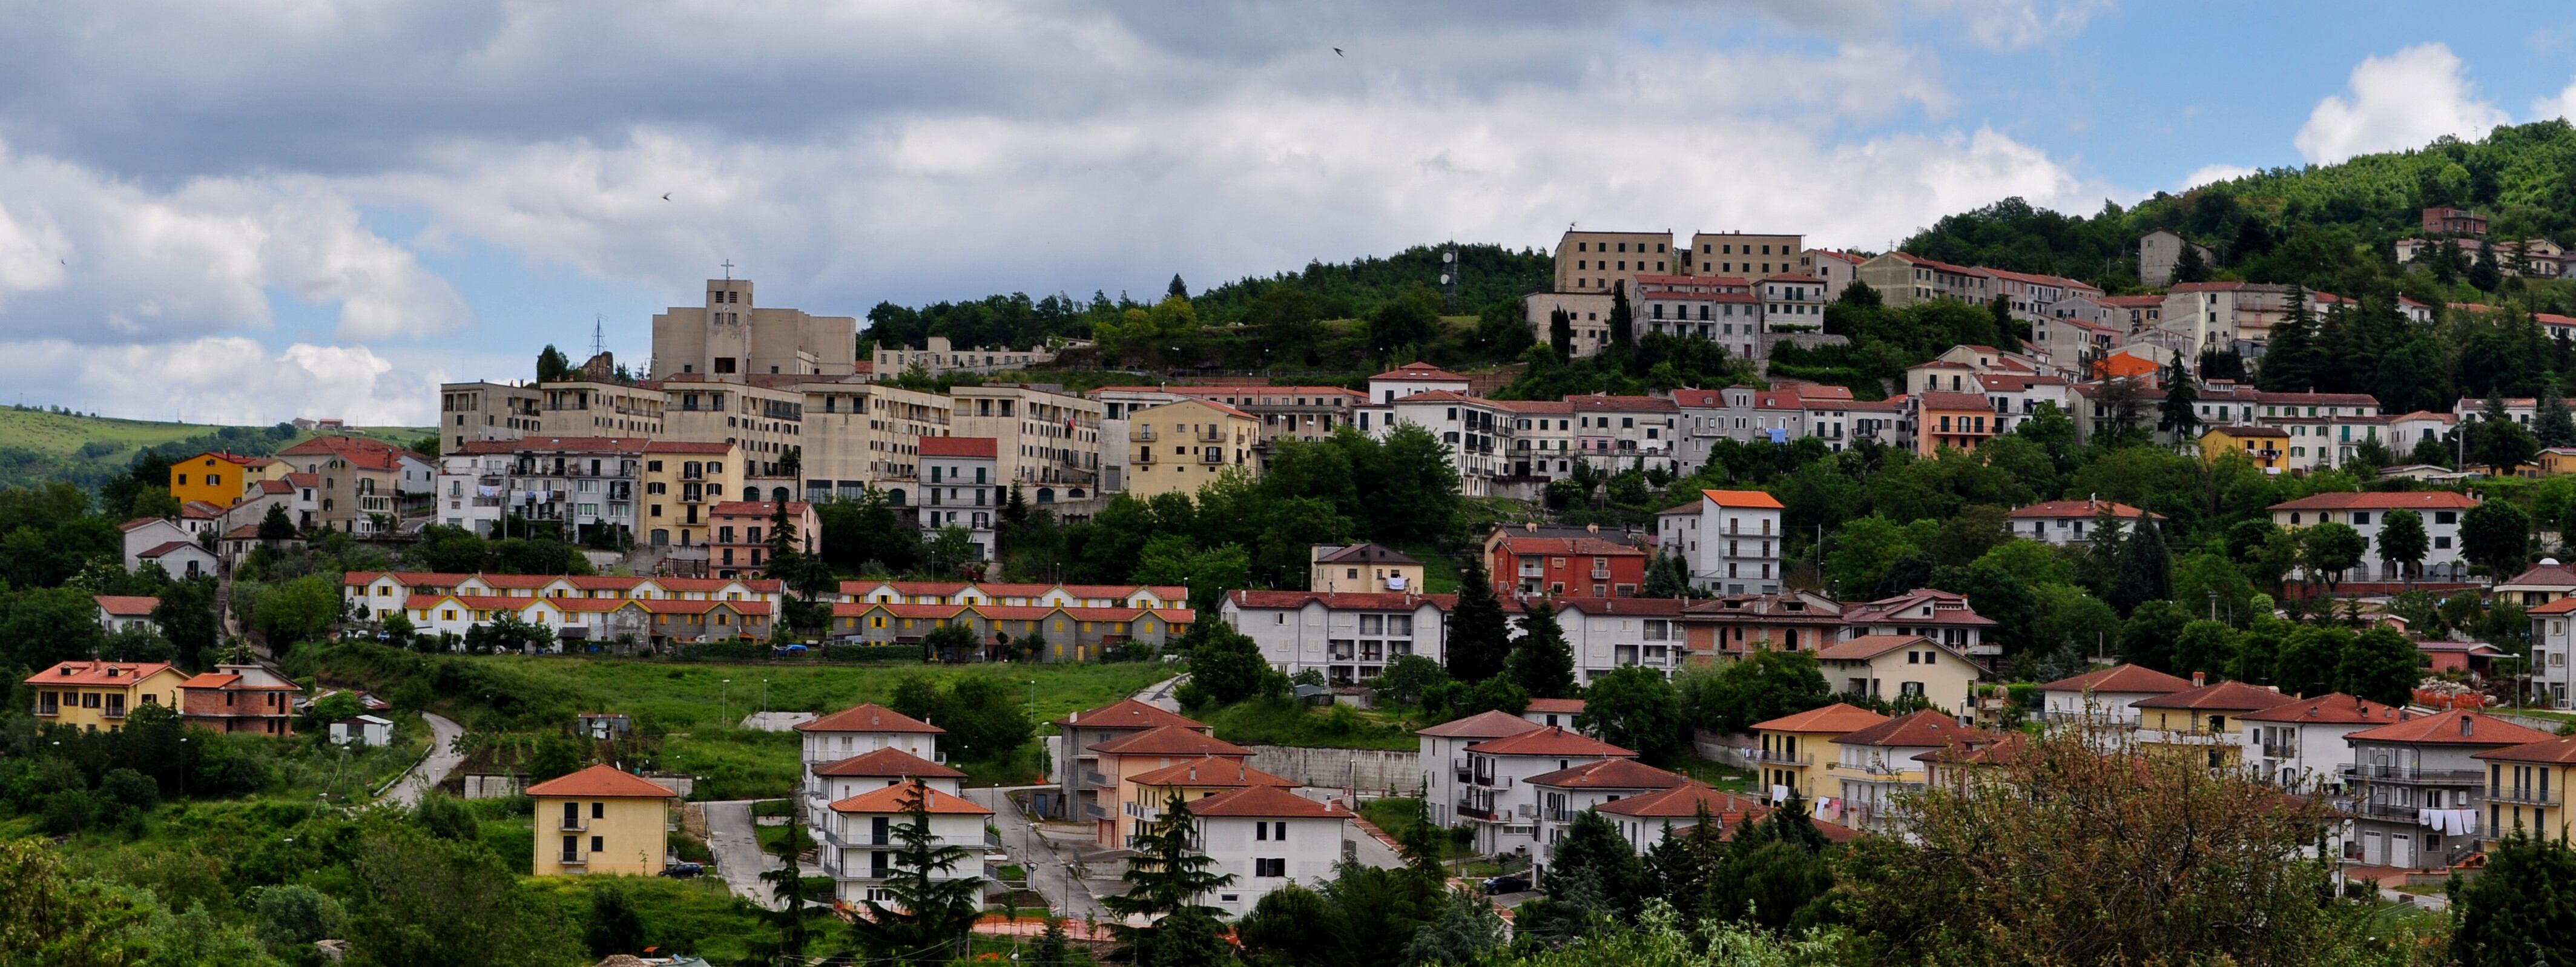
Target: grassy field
37, 445
1334, 727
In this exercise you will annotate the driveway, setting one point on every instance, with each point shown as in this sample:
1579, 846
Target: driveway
429, 772
739, 858
1160, 695
1049, 874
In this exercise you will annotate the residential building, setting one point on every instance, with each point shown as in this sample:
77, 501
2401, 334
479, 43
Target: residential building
2064, 522
1443, 749
961, 488
601, 820
218, 477
683, 482
939, 357
2134, 313
2204, 723
1576, 789
582, 486
1525, 561
855, 733
1470, 426
1084, 792
1612, 633
1889, 666
1730, 539
1047, 440
2417, 785
1735, 625
1541, 435
2538, 585
2266, 447
1903, 280
2299, 744
2527, 788
1364, 568
144, 534
861, 840
2160, 251
1307, 413
1142, 796
855, 436
95, 696
1879, 764
2449, 220
732, 337
1838, 269
1593, 261
1266, 837
121, 612
600, 406
1587, 318
1553, 711
1798, 750
1618, 433
2106, 697
1743, 255
1791, 302
2551, 644
1125, 757
1495, 795
1182, 446
740, 547
2367, 512
1645, 820
1415, 378
1939, 615
1959, 421
1350, 636
762, 416
1727, 310
362, 480
244, 698
470, 412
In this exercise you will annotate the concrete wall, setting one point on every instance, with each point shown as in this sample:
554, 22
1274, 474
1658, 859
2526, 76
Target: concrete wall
1364, 769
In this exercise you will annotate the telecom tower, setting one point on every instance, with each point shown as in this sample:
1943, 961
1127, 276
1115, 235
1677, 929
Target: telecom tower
1449, 276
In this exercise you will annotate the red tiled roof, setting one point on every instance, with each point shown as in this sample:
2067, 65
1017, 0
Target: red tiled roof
958, 446
1683, 802
1927, 728
887, 762
2557, 748
1866, 647
1622, 404
1561, 706
98, 673
1128, 713
1170, 740
1945, 400
1609, 774
2334, 709
164, 548
602, 782
2080, 508
1419, 372
2382, 500
126, 604
1552, 740
2223, 696
1269, 801
1742, 498
2120, 680
869, 717
898, 798
1208, 771
676, 446
1483, 725
1838, 717
2446, 728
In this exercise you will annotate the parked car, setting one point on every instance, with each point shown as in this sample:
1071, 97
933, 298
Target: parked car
684, 870
1506, 883
789, 651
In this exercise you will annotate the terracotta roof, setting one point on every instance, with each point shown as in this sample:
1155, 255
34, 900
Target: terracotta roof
602, 782
1683, 802
2223, 697
2560, 606
1571, 546
2545, 574
1170, 740
1742, 498
2454, 727
1262, 801
958, 446
1866, 647
127, 605
1552, 740
1208, 771
1945, 400
1927, 728
757, 508
1128, 713
886, 762
2081, 508
2332, 709
1483, 725
1609, 774
676, 446
2382, 500
210, 680
869, 717
1419, 372
98, 673
165, 548
2241, 432
898, 798
2557, 748
1665, 607
1366, 553
1623, 404
1561, 706
1838, 717
2120, 680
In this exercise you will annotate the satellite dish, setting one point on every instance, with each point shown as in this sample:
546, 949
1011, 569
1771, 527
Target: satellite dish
1444, 278
1449, 256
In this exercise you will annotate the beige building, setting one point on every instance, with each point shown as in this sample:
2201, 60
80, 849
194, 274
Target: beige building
1797, 750
598, 408
1903, 280
601, 820
1743, 256
1889, 666
1182, 446
2160, 251
683, 482
939, 357
1589, 312
1593, 261
764, 417
1047, 441
1366, 568
730, 337
468, 412
859, 435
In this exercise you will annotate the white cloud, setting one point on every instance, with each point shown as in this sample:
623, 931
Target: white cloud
2018, 24
224, 379
2563, 105
2397, 102
2214, 173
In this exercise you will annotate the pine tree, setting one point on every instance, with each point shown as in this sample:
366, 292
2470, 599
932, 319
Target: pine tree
2483, 273
1560, 333
275, 526
2179, 413
1178, 289
2192, 266
2007, 335
798, 910
1622, 325
1667, 577
2553, 425
1541, 663
1015, 506
552, 366
932, 909
1421, 844
1479, 640
1053, 948
2287, 360
1165, 878
2143, 569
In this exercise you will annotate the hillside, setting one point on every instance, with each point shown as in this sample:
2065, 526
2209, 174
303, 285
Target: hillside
38, 445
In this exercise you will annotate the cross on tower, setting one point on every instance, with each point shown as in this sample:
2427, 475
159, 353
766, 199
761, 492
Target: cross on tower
728, 270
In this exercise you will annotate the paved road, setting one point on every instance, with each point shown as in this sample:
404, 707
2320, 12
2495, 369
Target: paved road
1048, 873
443, 759
1159, 695
739, 858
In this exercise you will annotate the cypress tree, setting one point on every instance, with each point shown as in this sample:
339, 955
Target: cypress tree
932, 911
2143, 571
1560, 333
2179, 413
1541, 663
1622, 325
1479, 639
2553, 424
1165, 881
2288, 360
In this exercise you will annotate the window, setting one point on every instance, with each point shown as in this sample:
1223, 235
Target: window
599, 810
1270, 867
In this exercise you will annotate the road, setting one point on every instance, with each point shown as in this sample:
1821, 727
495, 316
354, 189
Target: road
443, 759
1048, 874
1160, 695
739, 858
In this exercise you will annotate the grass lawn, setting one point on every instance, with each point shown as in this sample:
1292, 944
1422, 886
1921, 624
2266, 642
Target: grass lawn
1337, 726
680, 916
1439, 571
1395, 814
100, 445
1726, 778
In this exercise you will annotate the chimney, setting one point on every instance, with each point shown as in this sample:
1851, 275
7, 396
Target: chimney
2199, 679
2468, 725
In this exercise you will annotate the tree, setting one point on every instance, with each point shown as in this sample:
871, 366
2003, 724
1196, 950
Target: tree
1541, 663
2484, 273
2329, 549
1408, 321
2504, 445
1623, 326
1596, 866
448, 818
933, 907
2517, 911
2379, 665
1466, 929
1765, 684
1479, 638
614, 925
2289, 362
1636, 708
2178, 414
1408, 678
1667, 576
293, 915
2497, 535
1178, 289
1166, 876
2552, 425
796, 912
2144, 568
2192, 266
297, 611
275, 526
1225, 665
1560, 333
552, 367
2402, 542
433, 901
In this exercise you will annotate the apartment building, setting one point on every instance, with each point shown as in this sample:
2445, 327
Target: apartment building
601, 820
588, 407
583, 486
1306, 413
1748, 256
468, 412
1607, 634
2030, 296
1735, 625
1574, 790
2105, 696
1142, 795
682, 483
1443, 751
1618, 433
1903, 280
839, 779
1939, 615
1880, 764
1181, 446
763, 418
1789, 299
2440, 511
1594, 261
1798, 749
854, 734
1266, 838
740, 547
1368, 568
962, 487
2299, 744
1349, 636
1960, 421
2527, 788
731, 337
2552, 644
2160, 251
2449, 220
1120, 761
362, 481
2417, 785
1559, 562
938, 357
1048, 441
1730, 539
1587, 318
2203, 724
1471, 426
1727, 310
1414, 378
1541, 434
860, 841
1495, 797
2064, 522
1838, 269
855, 436
96, 696
1083, 793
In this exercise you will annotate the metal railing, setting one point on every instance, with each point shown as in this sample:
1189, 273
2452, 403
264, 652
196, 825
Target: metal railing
1144, 434
1092, 777
1476, 812
2525, 795
2414, 774
1780, 758
572, 859
1212, 456
1145, 456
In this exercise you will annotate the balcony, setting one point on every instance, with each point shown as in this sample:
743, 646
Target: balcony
1477, 812
1145, 456
1092, 777
1143, 434
2526, 795
1493, 782
1769, 757
1601, 574
1093, 810
1212, 435
572, 824
572, 859
2415, 775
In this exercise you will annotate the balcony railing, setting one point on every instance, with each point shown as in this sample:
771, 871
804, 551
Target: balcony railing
1093, 810
1143, 434
1784, 759
2413, 774
572, 859
572, 824
1212, 435
1213, 455
1476, 812
1092, 777
1601, 574
1145, 455
2526, 795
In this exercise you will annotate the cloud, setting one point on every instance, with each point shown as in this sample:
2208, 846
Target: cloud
2018, 24
2398, 102
2214, 173
225, 379
2563, 105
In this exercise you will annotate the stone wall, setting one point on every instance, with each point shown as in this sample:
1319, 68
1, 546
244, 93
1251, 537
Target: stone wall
1368, 770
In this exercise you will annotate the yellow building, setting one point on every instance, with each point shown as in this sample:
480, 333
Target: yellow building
2526, 788
2203, 723
1141, 796
2554, 462
1797, 750
1366, 568
1889, 666
601, 820
683, 483
96, 695
1182, 446
2264, 446
217, 477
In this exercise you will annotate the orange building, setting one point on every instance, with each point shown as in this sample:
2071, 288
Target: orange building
1959, 421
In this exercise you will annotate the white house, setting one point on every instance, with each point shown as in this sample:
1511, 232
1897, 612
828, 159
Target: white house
852, 732
118, 612
1350, 637
859, 837
1553, 711
870, 771
151, 533
1496, 796
2065, 522
1266, 837
2440, 510
2551, 643
1569, 792
1731, 539
1939, 615
2301, 743
961, 487
366, 730
1444, 756
1608, 633
2104, 695
1412, 378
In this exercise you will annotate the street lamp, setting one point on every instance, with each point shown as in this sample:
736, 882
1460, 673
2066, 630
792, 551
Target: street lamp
764, 696
724, 705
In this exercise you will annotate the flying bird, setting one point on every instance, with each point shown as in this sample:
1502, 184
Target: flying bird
1337, 52
666, 196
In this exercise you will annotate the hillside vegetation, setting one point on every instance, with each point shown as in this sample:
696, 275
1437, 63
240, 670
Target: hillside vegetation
39, 445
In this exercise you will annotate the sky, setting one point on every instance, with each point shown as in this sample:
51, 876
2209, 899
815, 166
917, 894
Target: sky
243, 211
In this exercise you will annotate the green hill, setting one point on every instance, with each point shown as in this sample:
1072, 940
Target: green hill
39, 445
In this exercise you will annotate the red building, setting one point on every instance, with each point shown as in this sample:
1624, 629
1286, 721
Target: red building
240, 698
1552, 561
738, 540
2454, 221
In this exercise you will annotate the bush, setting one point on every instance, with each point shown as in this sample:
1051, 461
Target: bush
68, 812
875, 653
130, 789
